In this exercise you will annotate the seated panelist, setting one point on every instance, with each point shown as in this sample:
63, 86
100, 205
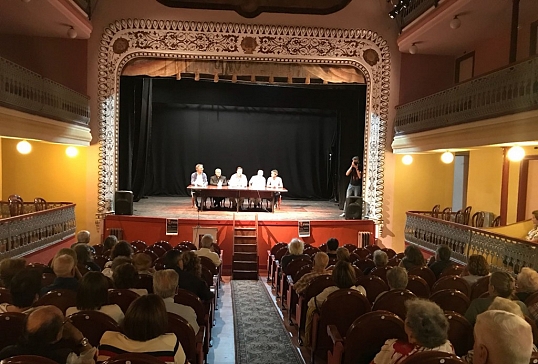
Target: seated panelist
198, 179
218, 180
238, 180
275, 182
257, 182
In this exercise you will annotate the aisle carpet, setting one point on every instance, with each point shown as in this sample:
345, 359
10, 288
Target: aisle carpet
260, 335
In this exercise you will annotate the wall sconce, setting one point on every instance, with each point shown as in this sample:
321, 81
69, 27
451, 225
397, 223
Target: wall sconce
71, 151
516, 153
24, 147
72, 33
413, 49
447, 157
455, 23
407, 159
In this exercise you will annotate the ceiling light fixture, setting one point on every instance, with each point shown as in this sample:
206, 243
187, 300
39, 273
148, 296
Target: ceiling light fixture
24, 147
413, 49
71, 151
516, 153
447, 157
407, 159
455, 23
72, 33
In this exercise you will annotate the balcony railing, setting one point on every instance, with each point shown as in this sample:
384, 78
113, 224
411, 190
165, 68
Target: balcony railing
507, 91
503, 253
33, 231
27, 91
415, 9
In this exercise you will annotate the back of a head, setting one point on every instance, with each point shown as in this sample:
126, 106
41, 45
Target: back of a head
165, 283
505, 304
344, 275
477, 265
380, 258
502, 283
527, 280
207, 241
414, 255
83, 253
171, 258
92, 292
342, 254
64, 266
397, 278
109, 242
321, 260
192, 263
119, 261
43, 326
122, 248
142, 261
25, 287
146, 318
427, 322
8, 268
83, 236
296, 246
66, 251
332, 244
444, 253
125, 276
507, 338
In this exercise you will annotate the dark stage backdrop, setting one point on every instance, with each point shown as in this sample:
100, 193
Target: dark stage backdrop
168, 126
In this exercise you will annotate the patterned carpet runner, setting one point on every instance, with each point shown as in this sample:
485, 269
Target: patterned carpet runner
260, 335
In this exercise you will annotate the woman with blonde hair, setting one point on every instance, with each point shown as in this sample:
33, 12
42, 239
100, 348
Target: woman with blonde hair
526, 283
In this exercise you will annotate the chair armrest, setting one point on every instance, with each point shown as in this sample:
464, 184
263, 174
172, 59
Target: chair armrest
334, 334
290, 280
200, 336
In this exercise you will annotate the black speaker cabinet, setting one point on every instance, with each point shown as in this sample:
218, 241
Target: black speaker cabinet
123, 202
353, 208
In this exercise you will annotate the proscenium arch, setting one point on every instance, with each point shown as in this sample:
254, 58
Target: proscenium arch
128, 39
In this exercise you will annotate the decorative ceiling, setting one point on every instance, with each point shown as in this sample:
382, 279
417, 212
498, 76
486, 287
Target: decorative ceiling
253, 8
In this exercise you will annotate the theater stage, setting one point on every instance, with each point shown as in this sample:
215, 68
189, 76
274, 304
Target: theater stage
148, 223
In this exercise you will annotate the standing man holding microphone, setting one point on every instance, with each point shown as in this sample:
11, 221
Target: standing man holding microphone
354, 187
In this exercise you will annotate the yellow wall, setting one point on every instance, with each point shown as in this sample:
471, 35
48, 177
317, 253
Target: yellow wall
484, 183
513, 188
419, 186
46, 172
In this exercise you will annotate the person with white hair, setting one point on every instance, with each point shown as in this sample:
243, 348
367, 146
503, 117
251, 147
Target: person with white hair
218, 180
295, 251
237, 180
198, 179
205, 249
321, 260
380, 258
526, 283
64, 269
83, 236
501, 337
257, 182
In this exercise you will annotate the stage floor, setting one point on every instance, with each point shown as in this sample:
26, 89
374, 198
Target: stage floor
180, 207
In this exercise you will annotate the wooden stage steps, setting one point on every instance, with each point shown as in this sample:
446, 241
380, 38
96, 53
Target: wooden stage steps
245, 249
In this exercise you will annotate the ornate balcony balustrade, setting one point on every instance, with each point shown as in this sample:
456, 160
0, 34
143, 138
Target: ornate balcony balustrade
503, 253
32, 231
506, 91
27, 91
415, 9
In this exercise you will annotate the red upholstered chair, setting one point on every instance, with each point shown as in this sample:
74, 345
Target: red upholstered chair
101, 260
292, 297
399, 255
276, 265
5, 295
61, 298
425, 273
132, 358
208, 263
122, 298
361, 343
418, 286
315, 288
433, 357
353, 258
479, 287
381, 272
365, 265
350, 247
372, 248
307, 268
189, 245
93, 324
460, 332
16, 205
292, 268
390, 252
362, 252
99, 249
532, 299
394, 261
452, 282
203, 317
534, 329
40, 204
394, 301
11, 328
271, 258
40, 266
163, 244
27, 359
191, 342
451, 300
452, 270
323, 247
159, 264
157, 249
341, 308
152, 254
373, 286
139, 245
145, 281
47, 279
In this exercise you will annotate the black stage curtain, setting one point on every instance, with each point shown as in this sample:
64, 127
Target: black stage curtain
301, 131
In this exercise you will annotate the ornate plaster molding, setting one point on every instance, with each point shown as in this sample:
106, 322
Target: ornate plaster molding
127, 39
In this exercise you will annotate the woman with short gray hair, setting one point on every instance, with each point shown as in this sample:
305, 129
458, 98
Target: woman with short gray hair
427, 330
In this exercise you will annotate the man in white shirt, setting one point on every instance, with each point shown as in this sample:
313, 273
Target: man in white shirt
257, 182
198, 179
205, 249
164, 285
237, 180
275, 182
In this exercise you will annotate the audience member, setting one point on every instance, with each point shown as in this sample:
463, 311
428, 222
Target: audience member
257, 182
49, 335
8, 268
92, 295
121, 249
396, 279
441, 260
477, 267
237, 180
381, 258
500, 284
191, 276
165, 284
64, 269
501, 337
205, 249
342, 254
218, 180
343, 275
527, 283
532, 235
84, 257
83, 237
144, 331
125, 276
64, 251
332, 245
109, 242
321, 260
24, 290
295, 251
109, 271
413, 258
189, 281
143, 263
427, 330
